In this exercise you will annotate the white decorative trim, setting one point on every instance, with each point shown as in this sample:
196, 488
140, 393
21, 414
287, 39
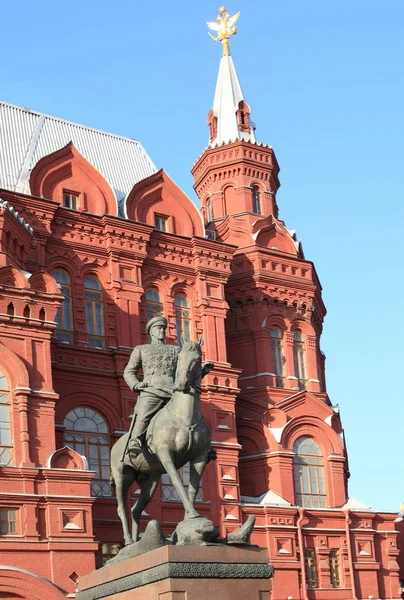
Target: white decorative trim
269, 498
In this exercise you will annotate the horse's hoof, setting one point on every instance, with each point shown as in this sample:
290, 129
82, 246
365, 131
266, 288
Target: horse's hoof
129, 542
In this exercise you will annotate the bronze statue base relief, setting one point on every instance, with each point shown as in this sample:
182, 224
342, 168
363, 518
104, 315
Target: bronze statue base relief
181, 573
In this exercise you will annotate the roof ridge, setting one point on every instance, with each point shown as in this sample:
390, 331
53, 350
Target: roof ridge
74, 123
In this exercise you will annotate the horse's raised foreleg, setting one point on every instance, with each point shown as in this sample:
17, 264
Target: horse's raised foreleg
196, 469
166, 460
147, 488
123, 480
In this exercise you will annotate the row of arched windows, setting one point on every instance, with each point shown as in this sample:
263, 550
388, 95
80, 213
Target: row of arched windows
278, 359
94, 311
255, 199
87, 432
154, 307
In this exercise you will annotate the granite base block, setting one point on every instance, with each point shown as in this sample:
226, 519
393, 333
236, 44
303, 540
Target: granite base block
183, 573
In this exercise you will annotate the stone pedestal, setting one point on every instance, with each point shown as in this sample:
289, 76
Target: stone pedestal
183, 573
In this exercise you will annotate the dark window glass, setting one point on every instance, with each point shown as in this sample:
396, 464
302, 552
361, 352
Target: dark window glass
299, 359
209, 207
8, 521
64, 317
154, 307
160, 223
277, 356
308, 468
94, 312
70, 200
256, 200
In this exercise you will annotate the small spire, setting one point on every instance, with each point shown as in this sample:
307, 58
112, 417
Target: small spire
230, 117
224, 27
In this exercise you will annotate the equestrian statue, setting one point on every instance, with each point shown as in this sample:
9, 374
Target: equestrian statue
167, 429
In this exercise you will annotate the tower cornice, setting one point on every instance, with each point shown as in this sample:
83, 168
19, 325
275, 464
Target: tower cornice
253, 155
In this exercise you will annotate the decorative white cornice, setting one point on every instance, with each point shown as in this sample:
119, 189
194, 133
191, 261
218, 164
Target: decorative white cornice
5, 206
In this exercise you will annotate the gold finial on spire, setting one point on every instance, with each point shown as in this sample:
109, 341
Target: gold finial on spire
224, 27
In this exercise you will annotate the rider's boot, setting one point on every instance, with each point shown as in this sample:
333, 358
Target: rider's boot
137, 445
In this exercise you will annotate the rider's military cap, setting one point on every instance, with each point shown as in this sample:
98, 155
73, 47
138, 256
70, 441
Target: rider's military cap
156, 321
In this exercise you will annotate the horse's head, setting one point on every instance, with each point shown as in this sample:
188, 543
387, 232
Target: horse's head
189, 366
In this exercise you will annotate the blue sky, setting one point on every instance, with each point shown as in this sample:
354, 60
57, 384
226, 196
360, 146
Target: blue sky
325, 83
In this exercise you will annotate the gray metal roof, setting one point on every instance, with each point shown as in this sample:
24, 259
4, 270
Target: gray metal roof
27, 136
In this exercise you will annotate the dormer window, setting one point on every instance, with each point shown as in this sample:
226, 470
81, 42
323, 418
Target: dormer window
70, 200
160, 222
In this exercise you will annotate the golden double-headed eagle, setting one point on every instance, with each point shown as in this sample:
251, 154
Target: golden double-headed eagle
224, 27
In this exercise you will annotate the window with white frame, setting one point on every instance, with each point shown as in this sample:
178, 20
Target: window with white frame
154, 306
308, 469
70, 200
87, 433
161, 222
277, 356
9, 521
6, 445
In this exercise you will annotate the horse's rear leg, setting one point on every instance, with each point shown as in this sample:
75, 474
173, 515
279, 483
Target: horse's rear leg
147, 488
123, 480
167, 462
196, 469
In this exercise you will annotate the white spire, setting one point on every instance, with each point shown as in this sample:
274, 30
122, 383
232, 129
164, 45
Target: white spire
230, 111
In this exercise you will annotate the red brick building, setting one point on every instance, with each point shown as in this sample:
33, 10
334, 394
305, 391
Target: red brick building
94, 240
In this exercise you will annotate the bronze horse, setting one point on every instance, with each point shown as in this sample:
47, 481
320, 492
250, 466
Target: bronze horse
176, 435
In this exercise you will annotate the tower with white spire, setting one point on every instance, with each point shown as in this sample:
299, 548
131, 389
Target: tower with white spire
229, 120
274, 321
236, 178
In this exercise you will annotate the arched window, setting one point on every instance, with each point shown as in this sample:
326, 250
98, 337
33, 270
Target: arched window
256, 200
277, 356
154, 306
299, 360
87, 433
308, 468
6, 446
94, 312
168, 491
64, 317
182, 318
209, 210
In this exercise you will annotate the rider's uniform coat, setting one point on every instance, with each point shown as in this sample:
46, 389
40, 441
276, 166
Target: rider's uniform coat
158, 363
